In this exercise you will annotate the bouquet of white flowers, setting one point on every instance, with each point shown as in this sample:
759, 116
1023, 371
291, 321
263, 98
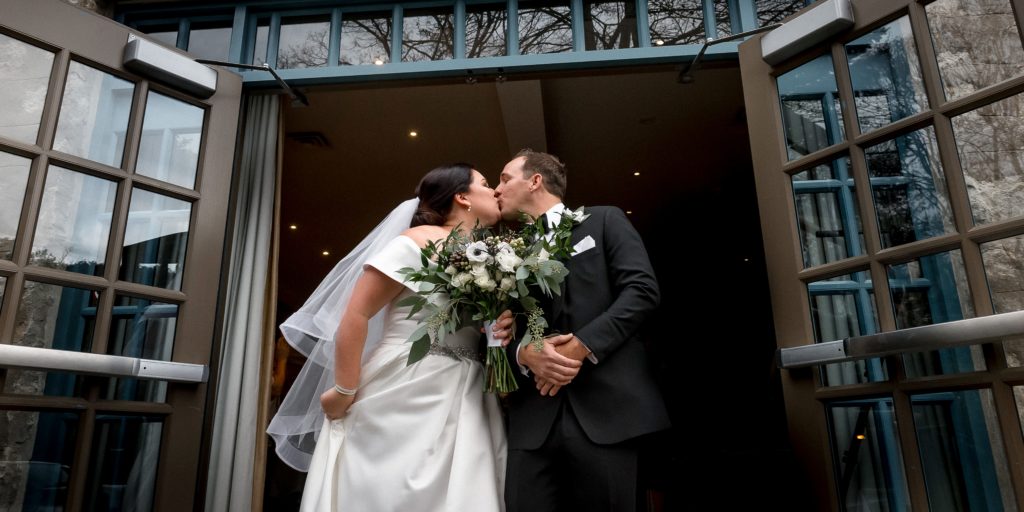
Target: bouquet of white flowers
483, 273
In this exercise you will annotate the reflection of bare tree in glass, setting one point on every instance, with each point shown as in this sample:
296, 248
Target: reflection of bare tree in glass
774, 11
886, 75
722, 22
428, 37
909, 189
676, 21
544, 29
485, 32
609, 25
310, 52
364, 40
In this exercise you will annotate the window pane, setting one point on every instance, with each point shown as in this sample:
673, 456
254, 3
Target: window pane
13, 180
866, 455
304, 42
38, 451
145, 329
676, 21
210, 40
609, 25
886, 75
988, 141
977, 44
123, 462
1004, 270
722, 23
365, 39
171, 133
57, 317
1018, 397
961, 449
259, 44
166, 34
774, 11
827, 214
94, 115
544, 27
74, 222
811, 116
909, 188
486, 28
931, 290
842, 307
428, 34
155, 241
24, 77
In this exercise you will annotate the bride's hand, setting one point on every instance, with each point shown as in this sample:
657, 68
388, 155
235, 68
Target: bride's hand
335, 404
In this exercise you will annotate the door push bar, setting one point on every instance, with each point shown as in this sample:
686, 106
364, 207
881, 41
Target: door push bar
916, 339
34, 358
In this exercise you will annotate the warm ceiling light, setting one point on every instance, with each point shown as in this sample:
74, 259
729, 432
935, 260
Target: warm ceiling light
659, 42
629, 212
413, 134
637, 173
378, 61
861, 437
327, 253
293, 227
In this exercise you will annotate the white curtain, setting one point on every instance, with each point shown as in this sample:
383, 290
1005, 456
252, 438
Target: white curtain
235, 430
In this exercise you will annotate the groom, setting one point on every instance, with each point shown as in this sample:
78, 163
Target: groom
588, 394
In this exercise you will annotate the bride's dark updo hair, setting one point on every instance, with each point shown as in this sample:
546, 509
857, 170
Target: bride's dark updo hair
437, 191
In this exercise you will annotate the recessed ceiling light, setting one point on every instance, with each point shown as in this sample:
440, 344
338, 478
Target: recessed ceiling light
659, 42
293, 227
637, 173
414, 134
629, 212
861, 437
378, 61
326, 253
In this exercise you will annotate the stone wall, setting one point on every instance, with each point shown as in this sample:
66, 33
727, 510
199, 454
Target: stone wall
104, 7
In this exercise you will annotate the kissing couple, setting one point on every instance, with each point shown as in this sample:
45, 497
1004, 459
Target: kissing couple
377, 434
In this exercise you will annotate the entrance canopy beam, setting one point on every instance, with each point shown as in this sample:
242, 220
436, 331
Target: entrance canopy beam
491, 67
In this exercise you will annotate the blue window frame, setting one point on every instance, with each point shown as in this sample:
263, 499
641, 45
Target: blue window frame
255, 35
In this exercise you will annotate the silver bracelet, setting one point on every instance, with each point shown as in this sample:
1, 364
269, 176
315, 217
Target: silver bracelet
345, 391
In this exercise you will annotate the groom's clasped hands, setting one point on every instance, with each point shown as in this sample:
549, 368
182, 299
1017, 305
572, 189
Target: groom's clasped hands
555, 365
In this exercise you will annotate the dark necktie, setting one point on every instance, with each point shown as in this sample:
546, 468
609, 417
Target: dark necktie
543, 220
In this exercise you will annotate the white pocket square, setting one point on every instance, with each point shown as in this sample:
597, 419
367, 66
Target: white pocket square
583, 245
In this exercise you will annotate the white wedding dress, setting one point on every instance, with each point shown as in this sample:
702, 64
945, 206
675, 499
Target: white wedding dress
420, 437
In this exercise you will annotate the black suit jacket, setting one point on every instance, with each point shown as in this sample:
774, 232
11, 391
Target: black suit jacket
609, 293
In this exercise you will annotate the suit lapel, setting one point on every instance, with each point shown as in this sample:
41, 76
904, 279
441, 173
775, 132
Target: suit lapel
558, 302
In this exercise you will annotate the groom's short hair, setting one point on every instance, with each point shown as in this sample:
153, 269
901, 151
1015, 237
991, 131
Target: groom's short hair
548, 166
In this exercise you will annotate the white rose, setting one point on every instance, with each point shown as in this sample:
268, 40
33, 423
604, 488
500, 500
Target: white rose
477, 253
506, 258
507, 283
485, 282
461, 280
478, 270
450, 270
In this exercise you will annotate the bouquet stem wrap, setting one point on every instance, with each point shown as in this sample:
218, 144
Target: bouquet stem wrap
499, 377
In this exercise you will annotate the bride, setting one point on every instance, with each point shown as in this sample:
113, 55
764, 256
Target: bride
374, 433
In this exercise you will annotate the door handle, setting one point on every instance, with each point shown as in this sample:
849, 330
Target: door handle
915, 339
34, 358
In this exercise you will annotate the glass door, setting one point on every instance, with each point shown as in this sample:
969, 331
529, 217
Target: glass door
890, 180
113, 206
